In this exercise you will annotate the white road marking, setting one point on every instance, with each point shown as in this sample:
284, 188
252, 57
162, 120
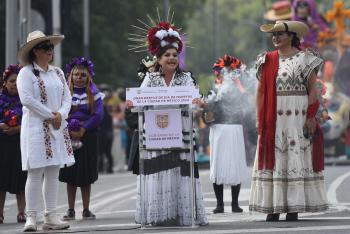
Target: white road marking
99, 196
332, 192
264, 230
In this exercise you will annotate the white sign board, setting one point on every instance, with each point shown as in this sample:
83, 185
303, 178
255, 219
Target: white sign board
155, 96
163, 129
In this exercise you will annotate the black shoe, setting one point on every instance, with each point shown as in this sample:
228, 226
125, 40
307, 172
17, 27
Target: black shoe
272, 217
237, 209
218, 209
70, 215
292, 216
88, 215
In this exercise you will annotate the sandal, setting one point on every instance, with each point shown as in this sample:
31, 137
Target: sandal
21, 218
1, 219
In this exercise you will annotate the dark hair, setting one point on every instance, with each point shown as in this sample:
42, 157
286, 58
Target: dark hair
295, 40
31, 55
162, 51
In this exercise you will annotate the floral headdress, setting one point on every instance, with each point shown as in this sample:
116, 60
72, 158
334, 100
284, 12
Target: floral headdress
231, 67
155, 36
11, 69
80, 62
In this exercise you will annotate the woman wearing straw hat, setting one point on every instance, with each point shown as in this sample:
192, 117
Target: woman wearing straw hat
288, 169
45, 141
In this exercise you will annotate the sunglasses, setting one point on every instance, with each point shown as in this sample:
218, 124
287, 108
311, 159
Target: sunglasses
45, 46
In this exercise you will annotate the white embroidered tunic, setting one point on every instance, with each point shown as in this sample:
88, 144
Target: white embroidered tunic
41, 144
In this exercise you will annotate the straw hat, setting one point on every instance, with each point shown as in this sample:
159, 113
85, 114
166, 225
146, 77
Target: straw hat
281, 10
33, 39
286, 26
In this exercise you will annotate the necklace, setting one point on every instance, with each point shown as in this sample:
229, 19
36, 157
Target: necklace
288, 55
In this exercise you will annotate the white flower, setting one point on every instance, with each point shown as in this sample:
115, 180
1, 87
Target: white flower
163, 43
161, 34
175, 45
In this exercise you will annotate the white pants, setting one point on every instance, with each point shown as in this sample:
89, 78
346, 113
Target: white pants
35, 179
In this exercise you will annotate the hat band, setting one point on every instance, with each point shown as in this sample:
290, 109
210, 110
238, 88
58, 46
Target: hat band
286, 26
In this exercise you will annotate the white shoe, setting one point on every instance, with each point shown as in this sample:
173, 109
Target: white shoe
30, 225
52, 222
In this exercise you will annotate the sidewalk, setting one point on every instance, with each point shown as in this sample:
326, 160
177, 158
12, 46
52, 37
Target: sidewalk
337, 161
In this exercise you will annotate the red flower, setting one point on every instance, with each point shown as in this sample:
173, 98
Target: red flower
164, 25
6, 113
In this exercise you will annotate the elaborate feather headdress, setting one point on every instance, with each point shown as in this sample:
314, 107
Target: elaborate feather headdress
155, 35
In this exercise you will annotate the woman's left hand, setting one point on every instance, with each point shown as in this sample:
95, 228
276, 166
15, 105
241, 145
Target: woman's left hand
199, 102
311, 125
75, 135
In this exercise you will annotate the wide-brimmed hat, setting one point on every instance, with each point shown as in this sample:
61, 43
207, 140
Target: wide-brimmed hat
286, 26
33, 39
281, 10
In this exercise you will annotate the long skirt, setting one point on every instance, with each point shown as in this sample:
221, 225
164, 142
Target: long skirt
227, 159
293, 185
84, 172
164, 195
12, 178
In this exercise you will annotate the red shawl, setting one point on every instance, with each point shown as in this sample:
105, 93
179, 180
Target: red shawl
317, 140
267, 112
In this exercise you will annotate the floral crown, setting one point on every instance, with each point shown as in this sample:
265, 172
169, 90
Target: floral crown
11, 69
155, 36
80, 62
229, 62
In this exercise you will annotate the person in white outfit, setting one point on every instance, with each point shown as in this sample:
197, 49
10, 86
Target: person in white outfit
45, 140
224, 114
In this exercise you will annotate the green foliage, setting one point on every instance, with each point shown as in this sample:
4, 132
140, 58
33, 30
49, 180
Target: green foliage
237, 34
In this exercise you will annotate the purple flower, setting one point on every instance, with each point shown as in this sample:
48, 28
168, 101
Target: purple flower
80, 62
74, 125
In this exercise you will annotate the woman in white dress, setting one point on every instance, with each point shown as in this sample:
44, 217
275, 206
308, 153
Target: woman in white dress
224, 114
288, 171
45, 141
165, 174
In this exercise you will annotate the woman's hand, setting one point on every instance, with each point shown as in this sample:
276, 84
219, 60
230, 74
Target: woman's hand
129, 104
200, 102
12, 130
56, 120
75, 135
310, 124
3, 126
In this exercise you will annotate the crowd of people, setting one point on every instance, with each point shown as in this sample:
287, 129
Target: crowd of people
74, 127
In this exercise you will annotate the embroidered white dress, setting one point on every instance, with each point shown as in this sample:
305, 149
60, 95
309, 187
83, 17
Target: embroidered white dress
41, 144
167, 187
292, 186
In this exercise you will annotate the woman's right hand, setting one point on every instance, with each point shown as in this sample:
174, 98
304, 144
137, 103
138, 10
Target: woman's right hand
129, 104
56, 120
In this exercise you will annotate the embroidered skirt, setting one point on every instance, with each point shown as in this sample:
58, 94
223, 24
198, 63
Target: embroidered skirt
292, 186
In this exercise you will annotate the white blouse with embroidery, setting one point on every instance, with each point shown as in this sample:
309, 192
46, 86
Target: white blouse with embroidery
41, 144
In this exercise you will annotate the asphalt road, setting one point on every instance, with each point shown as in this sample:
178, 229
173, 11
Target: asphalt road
113, 202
